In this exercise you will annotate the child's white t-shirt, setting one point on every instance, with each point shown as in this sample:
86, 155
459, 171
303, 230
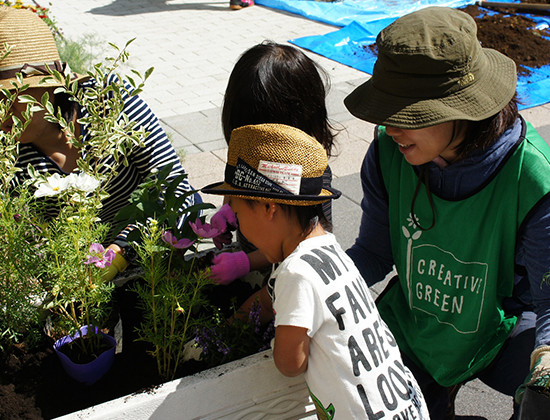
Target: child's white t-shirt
354, 368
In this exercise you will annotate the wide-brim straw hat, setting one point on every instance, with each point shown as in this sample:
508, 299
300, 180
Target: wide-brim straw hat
32, 49
275, 163
432, 69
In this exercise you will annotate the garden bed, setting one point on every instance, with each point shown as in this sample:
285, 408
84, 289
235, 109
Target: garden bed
243, 389
34, 386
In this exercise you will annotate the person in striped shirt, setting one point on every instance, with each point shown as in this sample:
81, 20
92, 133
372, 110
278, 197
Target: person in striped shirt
45, 146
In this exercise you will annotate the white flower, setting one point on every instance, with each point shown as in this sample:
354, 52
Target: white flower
84, 182
53, 185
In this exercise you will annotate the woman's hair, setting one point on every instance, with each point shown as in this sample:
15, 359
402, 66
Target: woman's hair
275, 83
67, 106
482, 134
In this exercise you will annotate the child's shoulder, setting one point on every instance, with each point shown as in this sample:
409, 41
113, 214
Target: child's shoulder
317, 252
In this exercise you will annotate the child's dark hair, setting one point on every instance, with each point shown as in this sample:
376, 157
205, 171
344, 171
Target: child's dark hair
307, 216
275, 83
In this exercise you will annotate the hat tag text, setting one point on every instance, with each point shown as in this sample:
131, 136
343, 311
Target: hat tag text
246, 177
286, 175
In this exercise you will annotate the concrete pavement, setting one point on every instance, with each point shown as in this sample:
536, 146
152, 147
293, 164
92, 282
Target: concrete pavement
193, 47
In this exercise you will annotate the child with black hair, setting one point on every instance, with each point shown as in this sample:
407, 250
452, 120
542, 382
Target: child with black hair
273, 83
326, 323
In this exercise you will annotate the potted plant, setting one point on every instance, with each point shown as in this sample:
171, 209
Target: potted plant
61, 256
176, 295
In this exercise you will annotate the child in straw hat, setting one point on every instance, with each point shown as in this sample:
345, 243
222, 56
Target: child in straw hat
326, 323
273, 83
45, 146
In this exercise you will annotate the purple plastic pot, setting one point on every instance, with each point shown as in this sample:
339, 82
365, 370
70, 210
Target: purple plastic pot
86, 373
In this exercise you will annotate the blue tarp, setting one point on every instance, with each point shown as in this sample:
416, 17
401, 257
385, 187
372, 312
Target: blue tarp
362, 20
342, 13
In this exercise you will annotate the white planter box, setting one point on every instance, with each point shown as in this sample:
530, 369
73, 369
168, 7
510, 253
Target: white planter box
249, 388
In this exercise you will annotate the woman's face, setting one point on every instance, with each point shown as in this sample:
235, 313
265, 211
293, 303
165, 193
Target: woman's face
38, 125
423, 145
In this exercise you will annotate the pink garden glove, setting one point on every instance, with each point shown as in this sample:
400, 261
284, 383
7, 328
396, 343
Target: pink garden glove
229, 266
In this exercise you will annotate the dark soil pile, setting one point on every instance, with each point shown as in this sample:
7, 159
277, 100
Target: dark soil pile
511, 34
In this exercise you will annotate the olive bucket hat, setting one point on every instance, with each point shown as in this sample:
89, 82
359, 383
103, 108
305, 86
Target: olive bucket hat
432, 69
32, 50
275, 163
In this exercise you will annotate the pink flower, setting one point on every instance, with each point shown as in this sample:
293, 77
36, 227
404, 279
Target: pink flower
205, 230
171, 240
99, 257
97, 248
225, 222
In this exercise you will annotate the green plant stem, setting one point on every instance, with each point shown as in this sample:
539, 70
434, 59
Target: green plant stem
188, 315
168, 349
154, 311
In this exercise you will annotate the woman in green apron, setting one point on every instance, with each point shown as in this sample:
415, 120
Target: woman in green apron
456, 196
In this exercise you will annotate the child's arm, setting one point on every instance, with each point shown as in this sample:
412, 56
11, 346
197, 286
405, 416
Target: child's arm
291, 349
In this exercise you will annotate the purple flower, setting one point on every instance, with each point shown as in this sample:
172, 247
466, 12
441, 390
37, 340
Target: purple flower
254, 316
97, 248
99, 257
225, 222
171, 240
109, 256
204, 230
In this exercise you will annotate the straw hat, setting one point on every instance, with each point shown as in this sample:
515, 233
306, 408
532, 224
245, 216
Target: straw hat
33, 47
276, 163
432, 69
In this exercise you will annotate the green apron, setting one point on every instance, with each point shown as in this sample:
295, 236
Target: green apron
446, 309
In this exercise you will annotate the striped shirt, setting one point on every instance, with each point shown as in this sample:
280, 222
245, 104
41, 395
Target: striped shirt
157, 152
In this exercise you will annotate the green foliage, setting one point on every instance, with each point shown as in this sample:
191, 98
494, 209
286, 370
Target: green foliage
21, 263
77, 295
21, 259
155, 199
38, 254
172, 291
224, 342
172, 295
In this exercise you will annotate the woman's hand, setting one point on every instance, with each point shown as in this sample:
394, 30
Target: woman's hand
117, 265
